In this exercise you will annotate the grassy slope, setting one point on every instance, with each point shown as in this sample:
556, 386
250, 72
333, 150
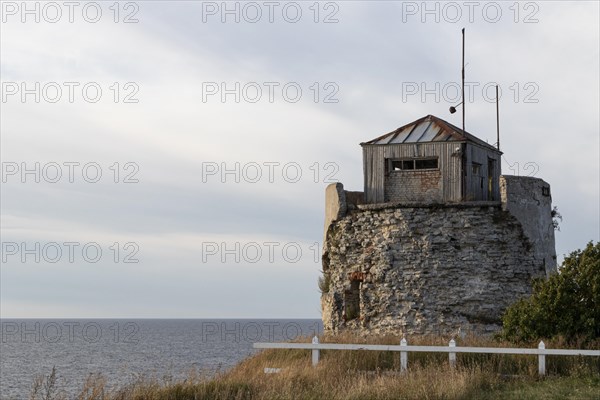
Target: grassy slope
370, 375
552, 388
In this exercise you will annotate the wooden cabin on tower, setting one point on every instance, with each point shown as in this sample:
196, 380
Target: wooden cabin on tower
430, 161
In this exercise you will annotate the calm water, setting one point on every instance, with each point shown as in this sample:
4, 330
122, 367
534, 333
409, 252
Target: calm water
123, 350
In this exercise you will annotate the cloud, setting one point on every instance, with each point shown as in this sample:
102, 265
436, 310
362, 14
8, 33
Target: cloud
369, 61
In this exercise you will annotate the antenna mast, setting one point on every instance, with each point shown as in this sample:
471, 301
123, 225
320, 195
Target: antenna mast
497, 119
463, 80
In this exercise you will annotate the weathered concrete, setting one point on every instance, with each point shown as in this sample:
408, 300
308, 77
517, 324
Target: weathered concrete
354, 199
335, 203
530, 201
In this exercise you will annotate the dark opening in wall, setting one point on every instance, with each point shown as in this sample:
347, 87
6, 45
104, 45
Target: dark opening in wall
428, 163
411, 164
352, 300
546, 191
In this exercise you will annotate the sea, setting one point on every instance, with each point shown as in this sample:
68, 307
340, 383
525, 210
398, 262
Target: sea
126, 350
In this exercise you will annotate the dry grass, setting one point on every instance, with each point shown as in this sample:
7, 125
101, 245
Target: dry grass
375, 375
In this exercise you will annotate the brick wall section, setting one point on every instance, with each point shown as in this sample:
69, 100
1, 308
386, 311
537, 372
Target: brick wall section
411, 186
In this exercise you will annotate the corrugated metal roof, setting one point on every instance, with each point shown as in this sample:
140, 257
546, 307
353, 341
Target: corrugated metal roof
427, 129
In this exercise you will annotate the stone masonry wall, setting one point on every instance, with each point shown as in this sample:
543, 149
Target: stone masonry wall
430, 269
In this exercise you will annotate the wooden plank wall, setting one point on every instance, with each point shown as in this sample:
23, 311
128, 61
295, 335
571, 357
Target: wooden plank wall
476, 191
374, 166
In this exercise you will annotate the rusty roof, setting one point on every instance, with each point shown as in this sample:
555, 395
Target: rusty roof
428, 129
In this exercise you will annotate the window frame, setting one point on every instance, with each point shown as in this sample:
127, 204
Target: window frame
390, 164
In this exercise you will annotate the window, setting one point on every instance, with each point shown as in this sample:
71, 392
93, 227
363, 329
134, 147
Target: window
546, 191
408, 164
476, 169
401, 165
491, 173
428, 163
413, 164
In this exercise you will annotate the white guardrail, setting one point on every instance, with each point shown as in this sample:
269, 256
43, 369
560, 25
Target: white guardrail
452, 349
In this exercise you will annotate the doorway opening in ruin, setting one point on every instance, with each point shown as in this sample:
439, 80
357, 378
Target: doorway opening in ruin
352, 300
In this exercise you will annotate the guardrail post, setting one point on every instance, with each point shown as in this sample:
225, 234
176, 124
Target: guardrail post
403, 356
315, 352
541, 359
452, 356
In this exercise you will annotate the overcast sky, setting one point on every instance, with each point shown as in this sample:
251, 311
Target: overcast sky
166, 100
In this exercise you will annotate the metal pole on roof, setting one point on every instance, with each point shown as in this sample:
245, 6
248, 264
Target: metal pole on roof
497, 119
463, 80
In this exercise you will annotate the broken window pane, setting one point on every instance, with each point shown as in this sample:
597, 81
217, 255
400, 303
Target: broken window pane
396, 165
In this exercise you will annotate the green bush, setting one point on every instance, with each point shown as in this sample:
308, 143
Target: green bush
567, 304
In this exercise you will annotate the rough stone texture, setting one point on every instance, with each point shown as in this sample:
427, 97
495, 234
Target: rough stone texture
423, 186
435, 268
530, 201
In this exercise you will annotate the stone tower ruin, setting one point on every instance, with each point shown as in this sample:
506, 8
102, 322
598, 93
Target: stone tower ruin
439, 242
